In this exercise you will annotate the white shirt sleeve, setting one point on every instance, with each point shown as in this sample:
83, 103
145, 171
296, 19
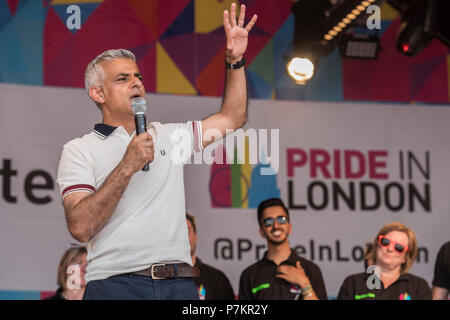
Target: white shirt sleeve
75, 171
186, 137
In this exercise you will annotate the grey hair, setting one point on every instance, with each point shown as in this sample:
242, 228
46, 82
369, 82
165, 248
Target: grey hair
94, 74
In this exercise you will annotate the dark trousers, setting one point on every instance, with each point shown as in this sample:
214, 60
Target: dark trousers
137, 287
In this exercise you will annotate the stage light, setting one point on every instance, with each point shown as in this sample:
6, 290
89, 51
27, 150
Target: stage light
311, 41
300, 69
418, 28
360, 47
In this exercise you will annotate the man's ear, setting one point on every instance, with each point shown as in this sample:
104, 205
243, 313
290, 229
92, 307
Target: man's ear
97, 94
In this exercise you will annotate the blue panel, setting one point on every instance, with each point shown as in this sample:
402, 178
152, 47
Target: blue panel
263, 88
251, 87
20, 295
21, 58
262, 187
326, 84
5, 14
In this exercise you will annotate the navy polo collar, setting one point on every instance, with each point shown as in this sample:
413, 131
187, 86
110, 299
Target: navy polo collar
103, 130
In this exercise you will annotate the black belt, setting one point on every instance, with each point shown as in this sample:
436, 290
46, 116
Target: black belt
159, 271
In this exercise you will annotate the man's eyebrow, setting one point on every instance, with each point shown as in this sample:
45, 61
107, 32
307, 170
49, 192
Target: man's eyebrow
122, 75
137, 74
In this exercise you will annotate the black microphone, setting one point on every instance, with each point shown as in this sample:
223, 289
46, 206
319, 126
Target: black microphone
139, 107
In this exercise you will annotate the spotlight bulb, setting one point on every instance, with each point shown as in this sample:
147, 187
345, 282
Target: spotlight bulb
300, 69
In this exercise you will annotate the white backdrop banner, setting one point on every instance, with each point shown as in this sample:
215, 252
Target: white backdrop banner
343, 169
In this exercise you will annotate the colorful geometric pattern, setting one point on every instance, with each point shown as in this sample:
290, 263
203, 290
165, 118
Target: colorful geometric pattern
236, 185
180, 44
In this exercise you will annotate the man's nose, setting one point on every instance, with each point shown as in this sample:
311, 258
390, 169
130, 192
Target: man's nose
136, 82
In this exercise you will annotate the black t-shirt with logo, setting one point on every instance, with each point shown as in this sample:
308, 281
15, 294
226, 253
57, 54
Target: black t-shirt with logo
258, 281
442, 268
212, 284
406, 287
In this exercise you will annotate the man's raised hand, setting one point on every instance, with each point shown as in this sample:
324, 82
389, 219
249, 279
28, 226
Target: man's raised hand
236, 33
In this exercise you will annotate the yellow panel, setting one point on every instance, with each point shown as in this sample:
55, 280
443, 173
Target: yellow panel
74, 1
246, 171
388, 12
209, 14
169, 79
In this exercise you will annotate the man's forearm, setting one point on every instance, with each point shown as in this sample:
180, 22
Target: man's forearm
235, 100
91, 214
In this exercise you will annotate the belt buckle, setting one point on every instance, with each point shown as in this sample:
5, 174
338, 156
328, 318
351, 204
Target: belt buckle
152, 270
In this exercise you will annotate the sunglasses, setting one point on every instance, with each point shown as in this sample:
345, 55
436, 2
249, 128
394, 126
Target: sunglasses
385, 242
268, 222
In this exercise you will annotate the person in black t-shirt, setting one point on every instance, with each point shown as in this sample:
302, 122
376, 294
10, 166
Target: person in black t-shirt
393, 253
441, 280
281, 274
212, 284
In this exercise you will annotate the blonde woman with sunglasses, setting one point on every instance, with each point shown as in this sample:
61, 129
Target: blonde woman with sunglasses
393, 253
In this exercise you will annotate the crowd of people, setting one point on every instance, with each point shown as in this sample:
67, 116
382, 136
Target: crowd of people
282, 275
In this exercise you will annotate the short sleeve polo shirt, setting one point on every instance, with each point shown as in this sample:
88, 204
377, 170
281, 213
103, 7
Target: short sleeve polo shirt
148, 225
406, 287
258, 281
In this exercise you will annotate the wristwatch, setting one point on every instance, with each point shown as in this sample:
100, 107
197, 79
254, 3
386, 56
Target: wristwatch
237, 65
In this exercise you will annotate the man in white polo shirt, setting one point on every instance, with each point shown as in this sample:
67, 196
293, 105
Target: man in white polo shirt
134, 221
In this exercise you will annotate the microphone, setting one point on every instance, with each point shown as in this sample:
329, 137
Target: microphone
139, 107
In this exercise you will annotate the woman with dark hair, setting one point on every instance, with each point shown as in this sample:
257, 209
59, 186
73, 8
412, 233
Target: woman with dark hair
393, 253
71, 270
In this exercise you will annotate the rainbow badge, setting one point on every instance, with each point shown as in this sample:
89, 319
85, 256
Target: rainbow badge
405, 296
201, 292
